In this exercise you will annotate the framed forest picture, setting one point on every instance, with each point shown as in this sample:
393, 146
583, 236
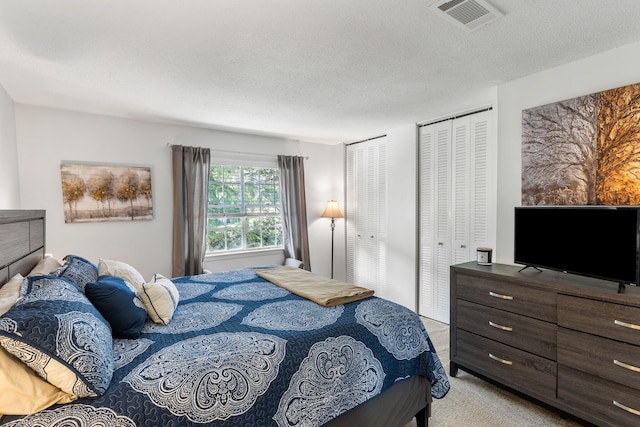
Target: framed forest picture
95, 193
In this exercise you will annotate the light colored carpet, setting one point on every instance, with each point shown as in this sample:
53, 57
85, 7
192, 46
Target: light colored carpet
474, 402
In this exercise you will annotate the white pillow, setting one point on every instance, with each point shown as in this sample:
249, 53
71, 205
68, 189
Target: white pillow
123, 270
45, 266
10, 292
160, 297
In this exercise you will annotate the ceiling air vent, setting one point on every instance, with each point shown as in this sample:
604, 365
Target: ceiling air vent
468, 14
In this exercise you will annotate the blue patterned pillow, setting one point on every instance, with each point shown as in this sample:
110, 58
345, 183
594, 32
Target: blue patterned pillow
117, 304
56, 331
78, 270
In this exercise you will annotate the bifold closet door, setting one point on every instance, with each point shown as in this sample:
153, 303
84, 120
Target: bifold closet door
457, 209
435, 190
366, 214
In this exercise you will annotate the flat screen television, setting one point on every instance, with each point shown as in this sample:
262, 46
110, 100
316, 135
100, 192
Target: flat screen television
595, 241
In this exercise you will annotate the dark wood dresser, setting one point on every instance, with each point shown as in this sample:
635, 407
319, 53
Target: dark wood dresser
568, 341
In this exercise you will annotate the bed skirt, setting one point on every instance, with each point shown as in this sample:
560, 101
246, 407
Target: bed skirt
393, 408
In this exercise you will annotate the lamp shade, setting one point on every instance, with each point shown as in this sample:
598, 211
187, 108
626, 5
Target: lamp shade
332, 210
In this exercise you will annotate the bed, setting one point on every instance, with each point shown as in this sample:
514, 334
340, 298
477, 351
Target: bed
235, 350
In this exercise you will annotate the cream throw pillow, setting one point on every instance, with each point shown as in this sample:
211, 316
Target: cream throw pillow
10, 292
123, 270
22, 391
160, 297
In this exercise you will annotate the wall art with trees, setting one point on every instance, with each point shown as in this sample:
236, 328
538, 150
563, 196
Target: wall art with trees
583, 151
94, 193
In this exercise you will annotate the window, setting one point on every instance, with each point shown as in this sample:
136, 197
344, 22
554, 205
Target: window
244, 208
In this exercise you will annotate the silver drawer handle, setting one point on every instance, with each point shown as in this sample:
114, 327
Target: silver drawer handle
624, 365
495, 295
627, 325
503, 328
626, 408
503, 361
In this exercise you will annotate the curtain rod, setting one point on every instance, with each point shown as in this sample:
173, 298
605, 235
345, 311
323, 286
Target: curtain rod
365, 140
240, 152
455, 117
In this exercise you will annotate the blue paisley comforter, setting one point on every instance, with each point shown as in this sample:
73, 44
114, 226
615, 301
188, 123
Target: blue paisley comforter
241, 351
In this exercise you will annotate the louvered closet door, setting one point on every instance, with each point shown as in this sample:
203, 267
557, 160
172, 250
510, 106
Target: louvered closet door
427, 176
351, 207
482, 232
366, 217
473, 214
461, 172
357, 218
378, 267
457, 208
435, 146
377, 218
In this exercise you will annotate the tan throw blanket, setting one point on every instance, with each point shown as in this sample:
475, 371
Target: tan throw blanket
321, 290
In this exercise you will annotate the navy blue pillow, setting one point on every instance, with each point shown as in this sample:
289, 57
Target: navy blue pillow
117, 304
78, 270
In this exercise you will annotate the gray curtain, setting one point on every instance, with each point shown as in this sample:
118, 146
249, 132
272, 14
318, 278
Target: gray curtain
190, 201
294, 209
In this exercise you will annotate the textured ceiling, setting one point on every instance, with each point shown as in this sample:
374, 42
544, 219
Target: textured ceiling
315, 70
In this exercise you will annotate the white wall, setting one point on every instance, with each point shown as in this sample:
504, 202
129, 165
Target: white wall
608, 70
46, 137
402, 221
324, 180
9, 184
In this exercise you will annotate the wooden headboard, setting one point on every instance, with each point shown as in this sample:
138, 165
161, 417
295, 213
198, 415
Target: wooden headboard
22, 241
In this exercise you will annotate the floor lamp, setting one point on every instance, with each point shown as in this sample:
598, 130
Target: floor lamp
332, 211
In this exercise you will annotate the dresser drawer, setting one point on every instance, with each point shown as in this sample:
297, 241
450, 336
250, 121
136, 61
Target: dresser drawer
525, 333
593, 399
508, 296
615, 321
607, 359
512, 367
